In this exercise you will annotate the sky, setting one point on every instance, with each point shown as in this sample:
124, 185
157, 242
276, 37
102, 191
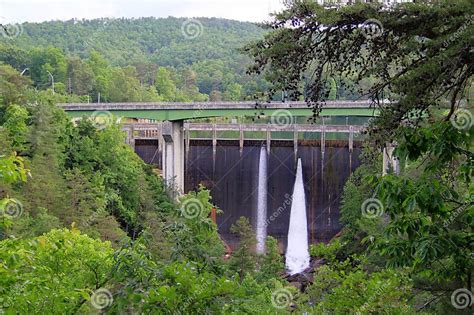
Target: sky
14, 11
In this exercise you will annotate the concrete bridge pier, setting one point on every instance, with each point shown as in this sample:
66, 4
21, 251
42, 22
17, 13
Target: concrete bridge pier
390, 162
130, 140
241, 138
351, 146
173, 154
214, 141
269, 140
351, 138
323, 140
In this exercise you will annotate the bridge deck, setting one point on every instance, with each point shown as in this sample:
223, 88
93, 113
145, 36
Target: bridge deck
186, 111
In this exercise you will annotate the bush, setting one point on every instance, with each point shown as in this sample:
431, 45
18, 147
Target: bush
53, 273
359, 292
326, 251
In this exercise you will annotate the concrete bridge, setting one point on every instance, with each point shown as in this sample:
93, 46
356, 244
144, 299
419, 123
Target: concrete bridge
172, 115
185, 111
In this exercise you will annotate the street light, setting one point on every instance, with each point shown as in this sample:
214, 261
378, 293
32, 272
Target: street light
52, 80
24, 70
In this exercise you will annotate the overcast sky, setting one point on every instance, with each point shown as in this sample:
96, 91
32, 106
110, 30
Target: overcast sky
45, 10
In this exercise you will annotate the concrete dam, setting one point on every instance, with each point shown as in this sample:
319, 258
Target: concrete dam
227, 158
229, 168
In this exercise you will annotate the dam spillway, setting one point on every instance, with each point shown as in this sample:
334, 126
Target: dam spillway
297, 251
262, 196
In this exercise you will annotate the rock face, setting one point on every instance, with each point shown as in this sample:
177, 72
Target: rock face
305, 278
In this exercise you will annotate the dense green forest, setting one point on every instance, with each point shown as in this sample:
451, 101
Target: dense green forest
143, 59
147, 59
87, 227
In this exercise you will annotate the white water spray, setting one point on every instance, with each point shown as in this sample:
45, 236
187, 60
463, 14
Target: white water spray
262, 202
297, 253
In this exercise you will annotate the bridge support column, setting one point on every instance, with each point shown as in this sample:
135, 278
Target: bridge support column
390, 162
173, 154
214, 140
130, 140
187, 141
241, 138
269, 140
295, 142
323, 139
351, 138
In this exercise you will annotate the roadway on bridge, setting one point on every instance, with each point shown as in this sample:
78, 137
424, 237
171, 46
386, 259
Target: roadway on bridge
186, 111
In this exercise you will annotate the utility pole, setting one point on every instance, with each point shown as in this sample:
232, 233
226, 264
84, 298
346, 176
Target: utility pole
52, 80
69, 85
284, 94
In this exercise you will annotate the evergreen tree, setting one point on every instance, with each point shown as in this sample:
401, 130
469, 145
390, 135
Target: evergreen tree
243, 259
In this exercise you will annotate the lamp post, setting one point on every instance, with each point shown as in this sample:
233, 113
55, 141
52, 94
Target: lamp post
24, 70
52, 80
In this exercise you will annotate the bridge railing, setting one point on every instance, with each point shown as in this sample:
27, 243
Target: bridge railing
208, 105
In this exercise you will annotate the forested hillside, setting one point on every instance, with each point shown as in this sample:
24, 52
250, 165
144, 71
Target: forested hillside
145, 59
86, 227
